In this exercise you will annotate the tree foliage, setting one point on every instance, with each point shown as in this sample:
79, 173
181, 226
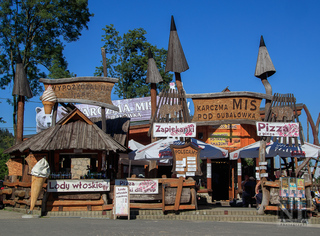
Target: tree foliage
35, 29
6, 141
127, 60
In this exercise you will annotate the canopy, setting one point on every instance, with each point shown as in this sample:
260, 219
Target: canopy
134, 145
275, 148
151, 151
161, 150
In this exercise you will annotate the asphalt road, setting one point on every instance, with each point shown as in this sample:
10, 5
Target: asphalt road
12, 223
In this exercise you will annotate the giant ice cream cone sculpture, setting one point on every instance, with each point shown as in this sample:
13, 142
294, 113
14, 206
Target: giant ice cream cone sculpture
48, 99
40, 172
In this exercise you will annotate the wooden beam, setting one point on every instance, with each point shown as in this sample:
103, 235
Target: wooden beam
230, 94
178, 195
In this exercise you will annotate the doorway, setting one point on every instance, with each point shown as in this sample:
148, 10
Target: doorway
220, 180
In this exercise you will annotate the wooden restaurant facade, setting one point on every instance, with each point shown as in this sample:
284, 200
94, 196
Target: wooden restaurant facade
84, 159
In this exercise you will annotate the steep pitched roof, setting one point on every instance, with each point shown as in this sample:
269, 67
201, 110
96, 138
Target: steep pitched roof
75, 131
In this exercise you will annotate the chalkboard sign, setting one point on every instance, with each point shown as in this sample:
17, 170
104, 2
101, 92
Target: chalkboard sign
121, 204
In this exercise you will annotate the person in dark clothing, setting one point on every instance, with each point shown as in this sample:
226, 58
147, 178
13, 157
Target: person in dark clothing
249, 192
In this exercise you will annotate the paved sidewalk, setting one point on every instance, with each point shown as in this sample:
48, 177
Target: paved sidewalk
8, 214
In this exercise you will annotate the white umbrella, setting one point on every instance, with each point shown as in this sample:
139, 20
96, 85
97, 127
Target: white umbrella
151, 151
134, 145
275, 148
210, 151
161, 150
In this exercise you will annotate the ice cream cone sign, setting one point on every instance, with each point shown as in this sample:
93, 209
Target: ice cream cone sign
40, 172
48, 99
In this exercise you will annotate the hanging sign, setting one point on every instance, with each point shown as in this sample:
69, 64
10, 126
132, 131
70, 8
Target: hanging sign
277, 129
121, 204
145, 186
86, 90
78, 185
174, 130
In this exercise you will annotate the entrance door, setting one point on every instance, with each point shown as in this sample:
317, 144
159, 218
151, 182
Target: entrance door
220, 180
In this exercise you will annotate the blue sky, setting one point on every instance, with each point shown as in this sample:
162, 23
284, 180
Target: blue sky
220, 40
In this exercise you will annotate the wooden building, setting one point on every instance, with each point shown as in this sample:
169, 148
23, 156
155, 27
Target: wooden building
76, 149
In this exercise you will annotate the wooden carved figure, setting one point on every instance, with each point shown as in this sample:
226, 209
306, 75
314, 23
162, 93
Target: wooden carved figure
281, 112
167, 109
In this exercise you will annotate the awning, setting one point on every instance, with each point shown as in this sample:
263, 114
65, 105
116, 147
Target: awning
275, 148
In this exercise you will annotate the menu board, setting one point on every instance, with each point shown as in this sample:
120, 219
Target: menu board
121, 204
186, 160
292, 187
301, 192
284, 192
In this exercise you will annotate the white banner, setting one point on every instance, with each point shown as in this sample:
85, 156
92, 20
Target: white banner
277, 129
78, 185
147, 186
174, 130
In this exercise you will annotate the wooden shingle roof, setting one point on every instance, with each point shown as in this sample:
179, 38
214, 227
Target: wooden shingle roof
72, 132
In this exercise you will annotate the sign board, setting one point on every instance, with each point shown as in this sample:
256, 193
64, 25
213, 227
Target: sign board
121, 201
292, 187
78, 185
225, 136
277, 129
263, 163
226, 108
301, 192
87, 90
146, 186
264, 175
136, 109
174, 130
284, 191
209, 170
186, 160
239, 169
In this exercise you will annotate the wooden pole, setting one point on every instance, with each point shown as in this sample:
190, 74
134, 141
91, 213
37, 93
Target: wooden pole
178, 81
103, 109
262, 151
153, 164
20, 115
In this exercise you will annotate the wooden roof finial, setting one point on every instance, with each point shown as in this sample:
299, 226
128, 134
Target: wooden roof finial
153, 74
176, 60
264, 66
21, 85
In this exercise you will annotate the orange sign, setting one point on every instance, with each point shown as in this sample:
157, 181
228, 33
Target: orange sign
225, 136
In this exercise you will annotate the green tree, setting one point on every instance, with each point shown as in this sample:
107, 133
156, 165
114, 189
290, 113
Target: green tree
36, 30
127, 60
6, 141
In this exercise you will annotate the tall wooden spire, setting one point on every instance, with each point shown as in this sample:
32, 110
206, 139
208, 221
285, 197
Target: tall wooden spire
21, 85
21, 88
176, 60
264, 66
